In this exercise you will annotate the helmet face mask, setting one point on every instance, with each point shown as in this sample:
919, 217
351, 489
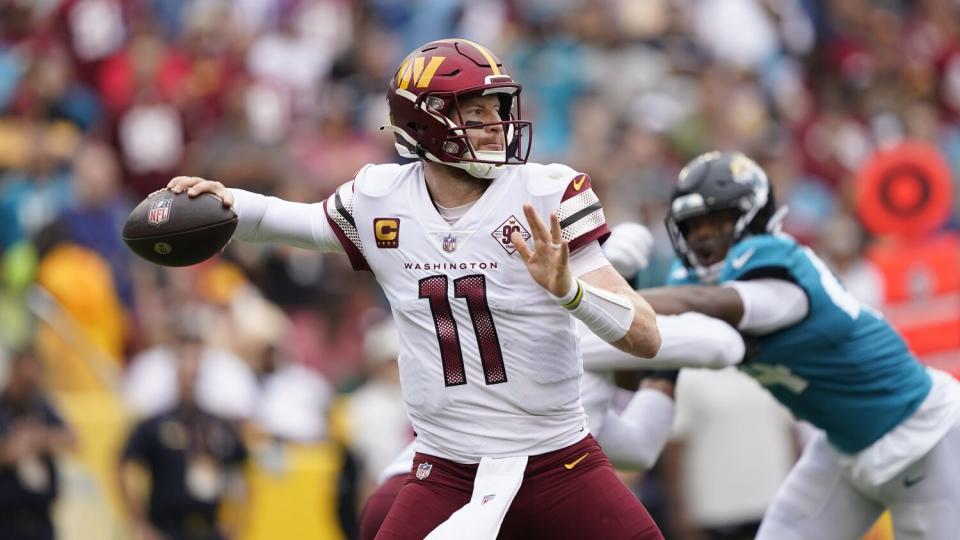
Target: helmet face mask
734, 192
457, 145
425, 100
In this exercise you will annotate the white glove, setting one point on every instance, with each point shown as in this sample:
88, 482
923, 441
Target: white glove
628, 248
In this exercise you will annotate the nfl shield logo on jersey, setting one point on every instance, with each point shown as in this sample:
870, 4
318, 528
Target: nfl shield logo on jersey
159, 211
449, 243
423, 470
502, 234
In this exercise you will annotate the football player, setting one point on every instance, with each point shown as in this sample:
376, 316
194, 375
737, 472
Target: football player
487, 262
634, 436
890, 426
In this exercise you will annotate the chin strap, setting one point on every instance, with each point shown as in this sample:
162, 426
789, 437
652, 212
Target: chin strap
401, 149
775, 223
709, 274
487, 171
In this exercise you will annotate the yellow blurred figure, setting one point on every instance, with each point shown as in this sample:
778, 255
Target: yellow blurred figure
293, 491
82, 282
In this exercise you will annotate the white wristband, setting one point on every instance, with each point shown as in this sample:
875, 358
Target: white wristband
606, 314
572, 295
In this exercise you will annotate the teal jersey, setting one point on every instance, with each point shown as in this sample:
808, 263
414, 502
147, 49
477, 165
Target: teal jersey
842, 368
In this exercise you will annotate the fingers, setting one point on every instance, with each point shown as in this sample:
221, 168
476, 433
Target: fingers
521, 245
556, 236
180, 184
195, 186
214, 188
540, 233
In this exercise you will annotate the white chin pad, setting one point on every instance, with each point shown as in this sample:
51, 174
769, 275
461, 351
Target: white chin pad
709, 274
487, 155
479, 170
484, 170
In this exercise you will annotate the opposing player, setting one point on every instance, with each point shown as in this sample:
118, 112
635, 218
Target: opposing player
489, 362
891, 427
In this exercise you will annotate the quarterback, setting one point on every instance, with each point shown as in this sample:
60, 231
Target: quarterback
488, 262
889, 426
633, 435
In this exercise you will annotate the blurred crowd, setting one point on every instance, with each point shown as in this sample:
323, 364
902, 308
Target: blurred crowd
103, 101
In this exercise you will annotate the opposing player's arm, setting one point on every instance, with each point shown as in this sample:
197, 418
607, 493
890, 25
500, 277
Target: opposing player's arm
686, 340
722, 303
757, 306
635, 437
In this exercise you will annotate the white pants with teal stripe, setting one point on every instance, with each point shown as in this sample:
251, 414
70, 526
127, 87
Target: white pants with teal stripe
914, 471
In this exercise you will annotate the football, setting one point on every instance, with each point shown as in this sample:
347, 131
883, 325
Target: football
173, 229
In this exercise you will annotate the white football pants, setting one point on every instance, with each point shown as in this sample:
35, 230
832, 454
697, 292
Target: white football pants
819, 498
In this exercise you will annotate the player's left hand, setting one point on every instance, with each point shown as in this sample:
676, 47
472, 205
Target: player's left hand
549, 260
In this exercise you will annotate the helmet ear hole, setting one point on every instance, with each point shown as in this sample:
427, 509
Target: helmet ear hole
435, 104
451, 148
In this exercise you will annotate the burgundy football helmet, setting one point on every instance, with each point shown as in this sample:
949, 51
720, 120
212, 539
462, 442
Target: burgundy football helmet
425, 95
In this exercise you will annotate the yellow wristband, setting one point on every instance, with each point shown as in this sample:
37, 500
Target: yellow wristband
572, 304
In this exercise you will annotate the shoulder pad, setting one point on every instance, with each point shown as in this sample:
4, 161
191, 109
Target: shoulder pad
758, 252
547, 179
378, 180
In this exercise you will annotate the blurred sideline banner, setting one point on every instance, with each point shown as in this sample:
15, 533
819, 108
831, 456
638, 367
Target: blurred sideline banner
903, 197
88, 506
922, 295
82, 379
293, 492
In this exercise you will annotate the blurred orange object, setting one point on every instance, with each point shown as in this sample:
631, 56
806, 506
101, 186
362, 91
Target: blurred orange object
922, 295
904, 196
218, 281
904, 191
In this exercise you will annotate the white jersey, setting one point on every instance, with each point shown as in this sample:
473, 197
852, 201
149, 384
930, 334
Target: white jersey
633, 427
489, 363
597, 393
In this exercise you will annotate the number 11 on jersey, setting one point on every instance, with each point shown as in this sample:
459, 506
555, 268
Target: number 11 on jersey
473, 289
